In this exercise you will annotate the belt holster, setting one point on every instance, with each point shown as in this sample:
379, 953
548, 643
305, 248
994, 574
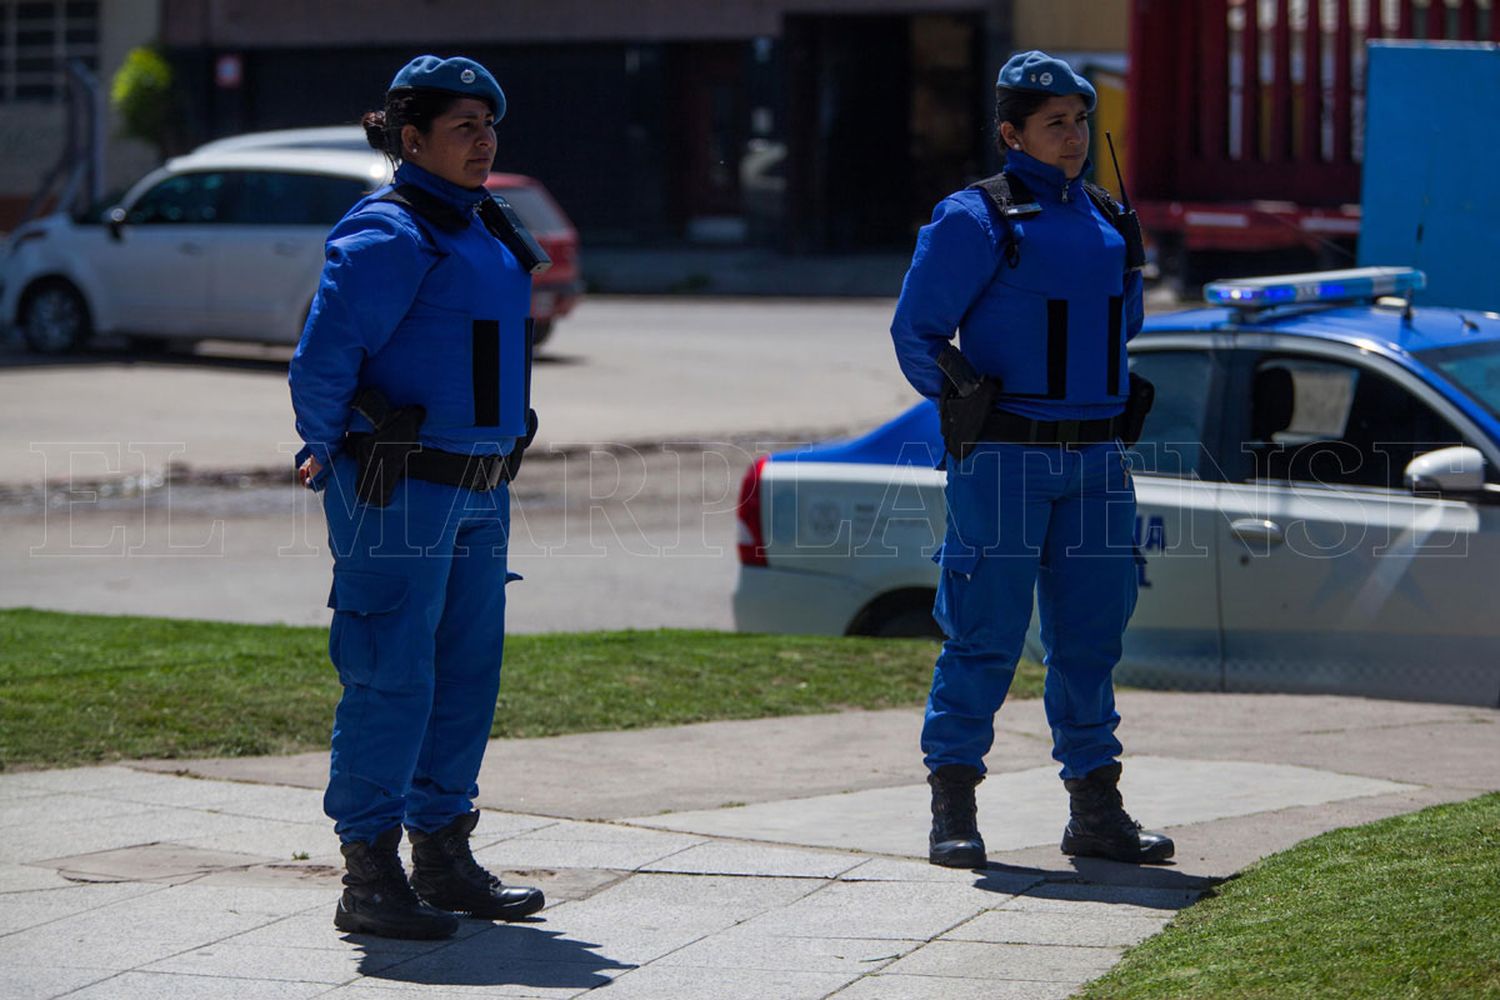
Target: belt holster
381, 457
1137, 406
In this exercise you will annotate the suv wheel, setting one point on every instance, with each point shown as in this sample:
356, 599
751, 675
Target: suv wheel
55, 319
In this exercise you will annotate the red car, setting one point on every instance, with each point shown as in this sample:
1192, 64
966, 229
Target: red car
555, 291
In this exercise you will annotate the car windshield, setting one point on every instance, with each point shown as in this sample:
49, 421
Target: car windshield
534, 209
1474, 368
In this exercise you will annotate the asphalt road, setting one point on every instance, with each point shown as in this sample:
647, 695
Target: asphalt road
651, 410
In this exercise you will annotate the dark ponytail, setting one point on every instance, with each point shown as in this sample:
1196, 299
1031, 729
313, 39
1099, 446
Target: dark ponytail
407, 106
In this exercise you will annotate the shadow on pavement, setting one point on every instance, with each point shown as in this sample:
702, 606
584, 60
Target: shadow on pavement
500, 955
1096, 880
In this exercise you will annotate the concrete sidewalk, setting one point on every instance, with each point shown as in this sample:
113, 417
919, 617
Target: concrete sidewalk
770, 859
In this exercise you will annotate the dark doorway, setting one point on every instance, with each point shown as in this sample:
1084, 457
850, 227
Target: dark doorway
885, 118
849, 166
709, 83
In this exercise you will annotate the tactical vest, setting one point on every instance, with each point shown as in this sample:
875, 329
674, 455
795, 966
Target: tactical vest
463, 350
1051, 322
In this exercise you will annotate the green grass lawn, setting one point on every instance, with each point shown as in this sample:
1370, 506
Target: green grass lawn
1407, 907
81, 688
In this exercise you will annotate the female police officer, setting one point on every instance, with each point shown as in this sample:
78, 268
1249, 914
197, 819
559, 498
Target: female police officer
1032, 274
410, 389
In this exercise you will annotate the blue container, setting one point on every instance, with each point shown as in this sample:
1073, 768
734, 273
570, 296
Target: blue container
1432, 155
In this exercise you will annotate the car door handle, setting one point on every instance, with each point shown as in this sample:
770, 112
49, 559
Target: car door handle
1257, 530
191, 249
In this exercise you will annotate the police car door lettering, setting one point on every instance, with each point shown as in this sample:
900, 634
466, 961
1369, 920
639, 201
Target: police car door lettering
1153, 539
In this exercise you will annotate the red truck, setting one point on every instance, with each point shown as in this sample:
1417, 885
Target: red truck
1224, 160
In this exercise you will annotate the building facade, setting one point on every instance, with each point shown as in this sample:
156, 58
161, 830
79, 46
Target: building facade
804, 125
37, 40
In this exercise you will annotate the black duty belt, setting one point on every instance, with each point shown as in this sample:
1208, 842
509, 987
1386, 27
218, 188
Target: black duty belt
1015, 429
480, 473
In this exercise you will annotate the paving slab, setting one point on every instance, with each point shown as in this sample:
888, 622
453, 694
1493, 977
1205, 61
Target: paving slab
723, 858
875, 910
27, 982
1024, 808
747, 947
22, 910
170, 863
656, 982
155, 985
648, 916
884, 986
334, 965
1090, 929
1024, 962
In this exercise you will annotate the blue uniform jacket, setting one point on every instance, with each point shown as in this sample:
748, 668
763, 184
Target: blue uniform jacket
1053, 329
427, 317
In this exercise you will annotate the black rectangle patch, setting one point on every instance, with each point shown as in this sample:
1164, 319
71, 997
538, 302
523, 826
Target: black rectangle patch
1112, 385
1057, 348
486, 361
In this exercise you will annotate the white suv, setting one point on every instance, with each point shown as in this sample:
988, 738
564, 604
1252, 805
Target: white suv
223, 243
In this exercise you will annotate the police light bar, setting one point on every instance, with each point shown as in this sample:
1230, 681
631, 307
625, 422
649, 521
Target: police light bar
1352, 285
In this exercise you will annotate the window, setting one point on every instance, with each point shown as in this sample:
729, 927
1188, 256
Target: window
1335, 424
184, 199
37, 39
1474, 368
1171, 443
535, 209
264, 198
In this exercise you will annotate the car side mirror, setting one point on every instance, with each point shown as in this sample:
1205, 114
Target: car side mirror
115, 220
1457, 471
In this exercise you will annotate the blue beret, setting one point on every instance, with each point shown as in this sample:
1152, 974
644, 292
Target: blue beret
1037, 71
458, 75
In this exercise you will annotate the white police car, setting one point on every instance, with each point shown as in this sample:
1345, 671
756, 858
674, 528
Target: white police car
1318, 492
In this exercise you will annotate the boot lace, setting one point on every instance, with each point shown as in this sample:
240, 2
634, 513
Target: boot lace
383, 871
956, 810
457, 848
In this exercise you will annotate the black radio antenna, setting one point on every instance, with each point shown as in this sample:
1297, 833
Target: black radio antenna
1119, 178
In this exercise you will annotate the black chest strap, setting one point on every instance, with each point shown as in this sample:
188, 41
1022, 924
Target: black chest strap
1013, 202
498, 217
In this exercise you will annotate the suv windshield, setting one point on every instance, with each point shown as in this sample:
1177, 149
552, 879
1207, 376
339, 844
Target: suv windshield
1474, 368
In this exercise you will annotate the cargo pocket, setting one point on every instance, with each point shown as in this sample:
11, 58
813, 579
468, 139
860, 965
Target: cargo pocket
366, 629
958, 562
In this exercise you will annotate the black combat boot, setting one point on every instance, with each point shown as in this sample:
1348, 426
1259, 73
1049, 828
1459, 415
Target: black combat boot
1101, 828
955, 841
377, 898
444, 872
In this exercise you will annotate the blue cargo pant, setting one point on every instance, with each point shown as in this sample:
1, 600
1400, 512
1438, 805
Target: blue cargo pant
1058, 521
418, 627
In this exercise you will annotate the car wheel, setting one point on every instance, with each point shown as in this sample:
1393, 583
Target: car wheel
55, 319
913, 623
902, 614
540, 330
